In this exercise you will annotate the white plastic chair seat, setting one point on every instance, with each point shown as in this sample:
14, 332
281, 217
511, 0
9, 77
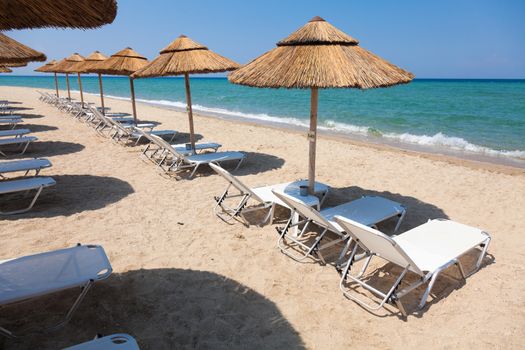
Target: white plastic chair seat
15, 132
110, 342
291, 188
45, 273
437, 242
24, 165
181, 147
368, 210
135, 134
16, 140
25, 184
204, 158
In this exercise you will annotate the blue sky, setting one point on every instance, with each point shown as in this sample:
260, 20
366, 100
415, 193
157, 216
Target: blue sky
433, 39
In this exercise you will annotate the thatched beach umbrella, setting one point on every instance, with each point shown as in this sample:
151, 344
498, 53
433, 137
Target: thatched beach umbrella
11, 51
184, 57
68, 65
319, 56
89, 63
47, 68
16, 65
4, 69
124, 62
25, 14
52, 69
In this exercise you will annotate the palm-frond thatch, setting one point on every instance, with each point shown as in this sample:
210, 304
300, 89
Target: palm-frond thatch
321, 56
46, 67
11, 51
4, 69
90, 61
185, 56
68, 65
24, 14
124, 62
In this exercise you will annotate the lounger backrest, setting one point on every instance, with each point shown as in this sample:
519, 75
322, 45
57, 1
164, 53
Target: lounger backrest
235, 182
305, 211
159, 141
377, 243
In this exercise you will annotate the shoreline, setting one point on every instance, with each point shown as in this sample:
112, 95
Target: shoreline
506, 165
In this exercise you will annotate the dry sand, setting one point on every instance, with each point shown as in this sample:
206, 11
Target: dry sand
184, 279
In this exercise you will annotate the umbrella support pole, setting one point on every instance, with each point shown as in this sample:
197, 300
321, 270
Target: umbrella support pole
81, 93
189, 109
56, 85
132, 89
312, 138
101, 93
68, 91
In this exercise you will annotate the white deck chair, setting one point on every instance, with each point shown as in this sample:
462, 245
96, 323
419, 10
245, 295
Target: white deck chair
368, 210
109, 342
10, 122
42, 274
158, 151
183, 162
22, 141
25, 185
425, 250
263, 197
25, 165
14, 132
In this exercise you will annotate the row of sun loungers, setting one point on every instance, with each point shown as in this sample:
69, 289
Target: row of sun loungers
170, 158
17, 141
425, 250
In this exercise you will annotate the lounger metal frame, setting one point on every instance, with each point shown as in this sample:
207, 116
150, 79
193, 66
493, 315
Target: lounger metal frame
394, 293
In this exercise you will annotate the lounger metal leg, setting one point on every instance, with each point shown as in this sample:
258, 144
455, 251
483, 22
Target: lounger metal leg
25, 148
62, 323
20, 211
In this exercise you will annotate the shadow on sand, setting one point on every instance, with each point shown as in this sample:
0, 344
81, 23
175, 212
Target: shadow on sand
52, 148
37, 127
72, 194
163, 309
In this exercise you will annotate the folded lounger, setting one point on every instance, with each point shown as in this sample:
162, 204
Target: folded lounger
425, 250
368, 210
181, 162
22, 141
110, 342
263, 197
25, 185
14, 132
26, 165
41, 274
159, 152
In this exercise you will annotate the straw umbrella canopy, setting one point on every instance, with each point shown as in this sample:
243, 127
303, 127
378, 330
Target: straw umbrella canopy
319, 56
89, 62
11, 51
124, 62
52, 69
25, 14
47, 68
184, 57
16, 65
68, 65
4, 69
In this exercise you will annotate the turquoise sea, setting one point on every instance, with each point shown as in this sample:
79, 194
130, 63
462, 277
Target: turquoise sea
484, 117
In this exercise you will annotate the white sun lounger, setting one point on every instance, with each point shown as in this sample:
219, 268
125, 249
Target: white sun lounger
26, 165
41, 274
181, 162
11, 122
25, 185
263, 197
22, 141
425, 250
368, 210
110, 342
14, 132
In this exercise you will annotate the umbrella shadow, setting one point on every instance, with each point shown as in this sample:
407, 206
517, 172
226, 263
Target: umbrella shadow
52, 148
184, 137
28, 115
166, 308
37, 127
72, 194
15, 109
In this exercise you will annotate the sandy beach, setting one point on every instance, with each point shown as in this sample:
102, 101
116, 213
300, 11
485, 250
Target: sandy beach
184, 279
